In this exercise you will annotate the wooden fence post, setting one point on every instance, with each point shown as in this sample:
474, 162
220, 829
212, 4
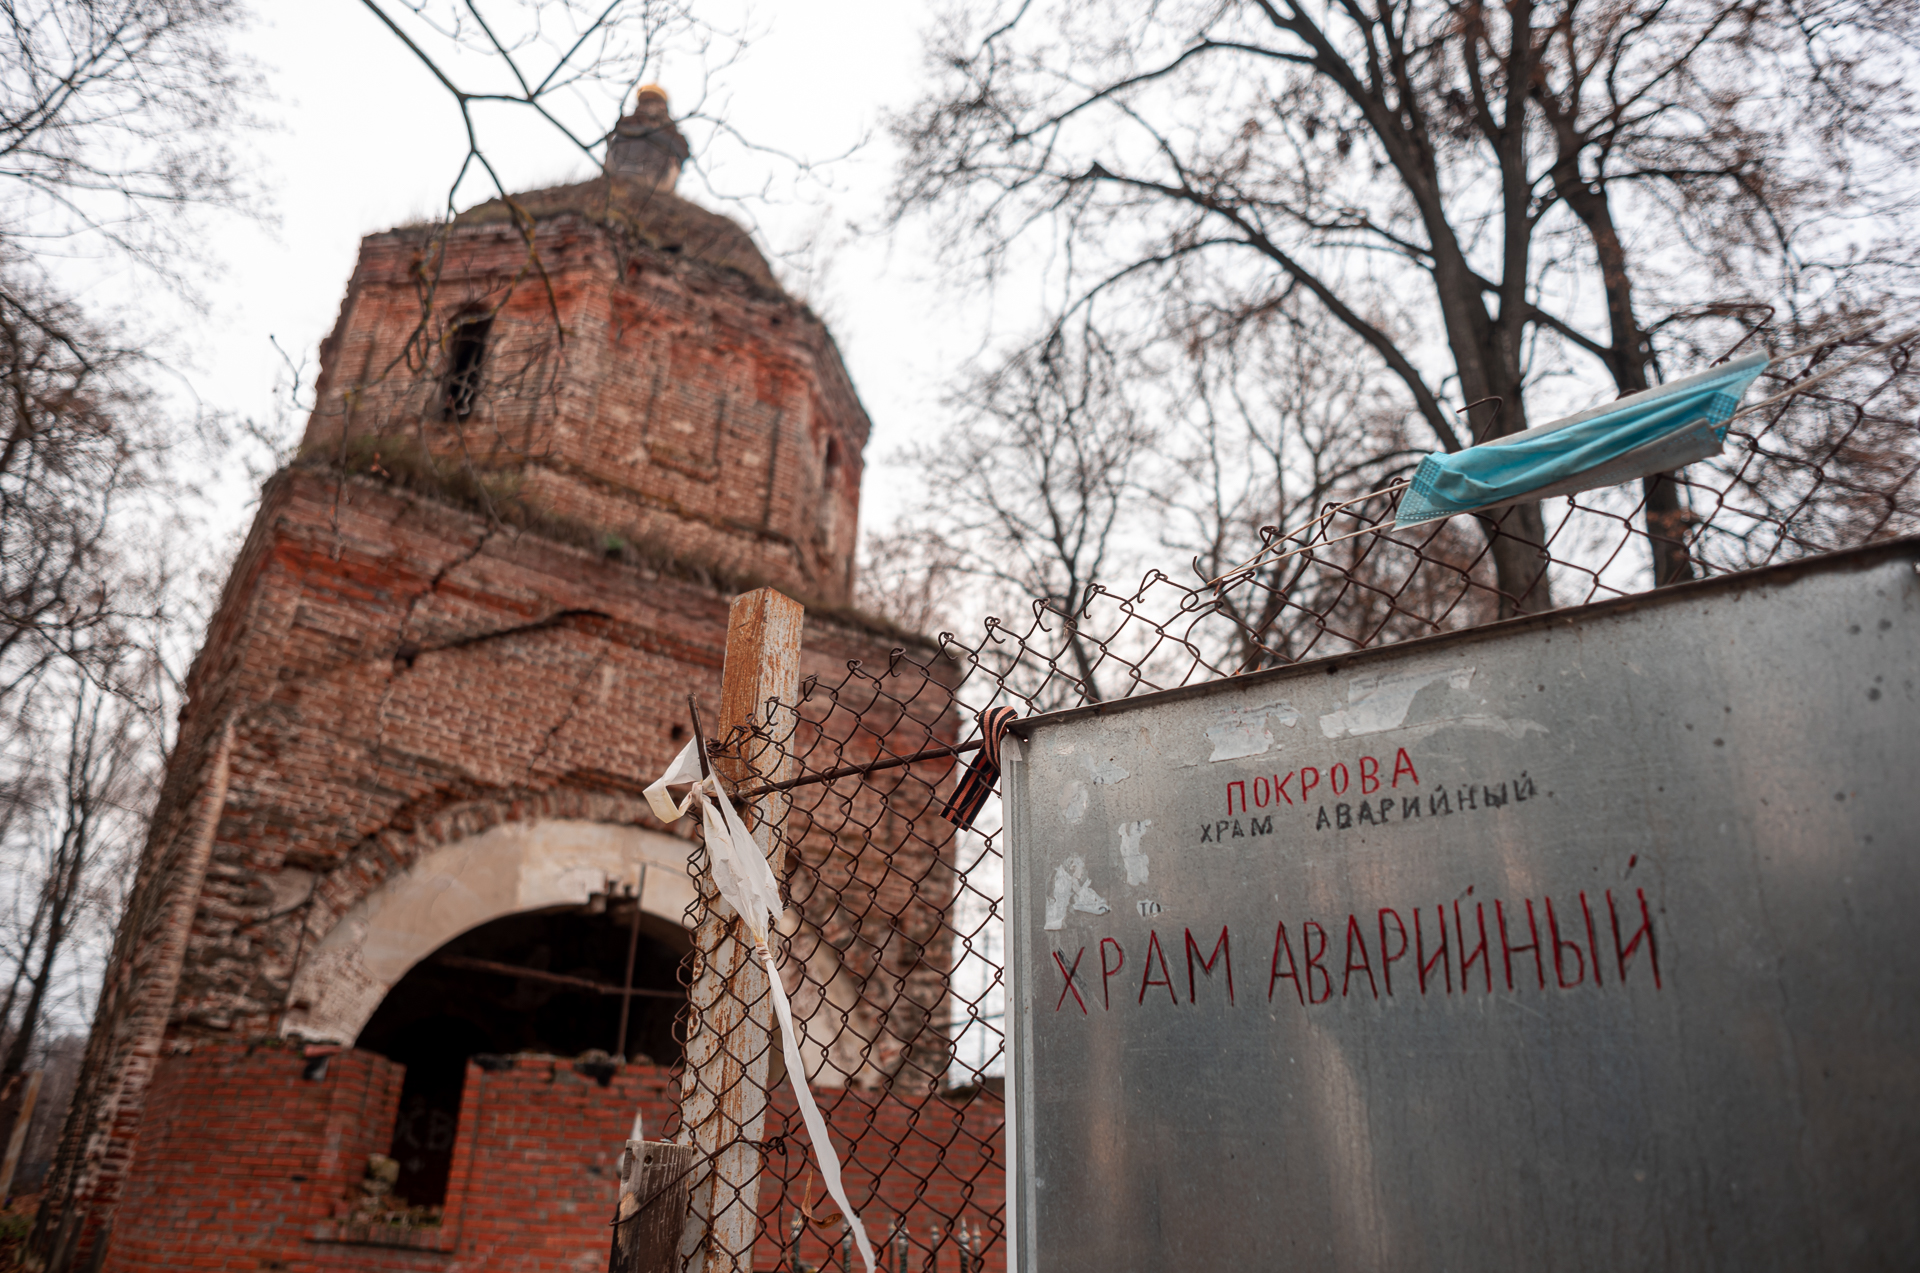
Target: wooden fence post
654, 1180
723, 1103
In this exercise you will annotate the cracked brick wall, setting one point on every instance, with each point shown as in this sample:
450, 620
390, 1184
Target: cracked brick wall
406, 657
636, 393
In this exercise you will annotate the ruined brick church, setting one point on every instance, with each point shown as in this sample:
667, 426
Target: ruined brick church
402, 896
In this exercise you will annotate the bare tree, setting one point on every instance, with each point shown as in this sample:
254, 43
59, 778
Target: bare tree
1033, 488
84, 759
1285, 416
116, 120
78, 442
1467, 190
116, 116
1052, 485
99, 778
907, 578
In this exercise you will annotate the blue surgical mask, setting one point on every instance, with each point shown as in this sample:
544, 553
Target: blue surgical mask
1653, 431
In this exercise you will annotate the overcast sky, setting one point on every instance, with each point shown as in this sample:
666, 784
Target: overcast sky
364, 139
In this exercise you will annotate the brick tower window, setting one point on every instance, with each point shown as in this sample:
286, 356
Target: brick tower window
466, 355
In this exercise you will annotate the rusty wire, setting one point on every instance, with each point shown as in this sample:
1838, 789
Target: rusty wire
891, 945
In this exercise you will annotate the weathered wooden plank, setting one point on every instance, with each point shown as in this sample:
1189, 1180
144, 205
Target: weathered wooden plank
730, 1052
655, 1180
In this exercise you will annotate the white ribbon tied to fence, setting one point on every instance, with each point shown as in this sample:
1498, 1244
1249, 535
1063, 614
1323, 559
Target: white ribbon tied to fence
746, 883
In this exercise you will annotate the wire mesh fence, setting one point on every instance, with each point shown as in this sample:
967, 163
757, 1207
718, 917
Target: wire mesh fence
893, 950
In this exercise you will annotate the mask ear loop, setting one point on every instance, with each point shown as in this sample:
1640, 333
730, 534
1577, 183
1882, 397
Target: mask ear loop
1499, 404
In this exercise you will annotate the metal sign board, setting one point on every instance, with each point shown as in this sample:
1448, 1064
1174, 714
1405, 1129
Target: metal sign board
1587, 942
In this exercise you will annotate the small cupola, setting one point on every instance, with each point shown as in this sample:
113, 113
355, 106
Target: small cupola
646, 147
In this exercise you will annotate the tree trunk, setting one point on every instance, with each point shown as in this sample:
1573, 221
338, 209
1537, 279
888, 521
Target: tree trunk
36, 997
63, 885
1667, 529
1520, 559
20, 969
1627, 359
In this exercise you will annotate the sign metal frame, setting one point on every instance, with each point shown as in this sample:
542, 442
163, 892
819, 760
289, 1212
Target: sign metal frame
1580, 941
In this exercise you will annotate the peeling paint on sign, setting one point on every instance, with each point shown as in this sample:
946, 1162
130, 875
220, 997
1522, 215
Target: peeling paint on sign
1072, 892
1376, 703
1130, 855
1248, 731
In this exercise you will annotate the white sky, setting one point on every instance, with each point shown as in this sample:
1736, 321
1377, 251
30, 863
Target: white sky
365, 140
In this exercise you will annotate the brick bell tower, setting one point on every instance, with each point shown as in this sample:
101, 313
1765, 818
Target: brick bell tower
550, 441
633, 374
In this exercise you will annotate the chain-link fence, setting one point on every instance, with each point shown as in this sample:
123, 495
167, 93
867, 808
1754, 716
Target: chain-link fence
893, 939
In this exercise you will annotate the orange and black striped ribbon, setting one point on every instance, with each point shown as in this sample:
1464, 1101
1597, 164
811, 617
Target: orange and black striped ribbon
964, 805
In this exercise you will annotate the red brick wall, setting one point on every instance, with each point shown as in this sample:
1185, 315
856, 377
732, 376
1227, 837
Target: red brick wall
937, 1159
534, 1181
244, 1164
240, 1156
401, 681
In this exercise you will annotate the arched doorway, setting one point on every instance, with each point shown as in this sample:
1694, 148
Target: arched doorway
467, 1000
512, 940
509, 869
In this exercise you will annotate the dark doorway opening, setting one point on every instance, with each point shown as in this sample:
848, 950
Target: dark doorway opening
467, 999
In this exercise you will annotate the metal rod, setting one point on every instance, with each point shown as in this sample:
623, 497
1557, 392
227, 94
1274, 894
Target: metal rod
1752, 331
699, 739
848, 771
633, 949
559, 979
1498, 404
